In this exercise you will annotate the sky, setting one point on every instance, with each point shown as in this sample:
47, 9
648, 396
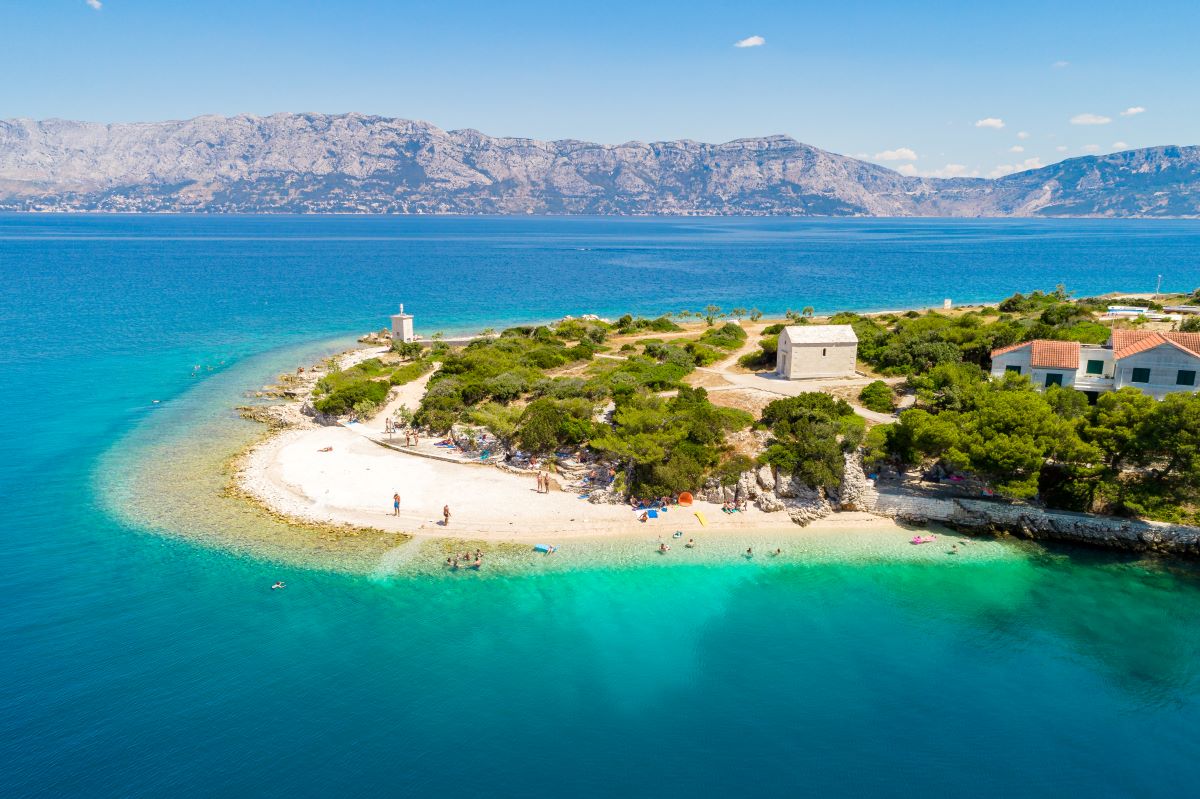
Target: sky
931, 88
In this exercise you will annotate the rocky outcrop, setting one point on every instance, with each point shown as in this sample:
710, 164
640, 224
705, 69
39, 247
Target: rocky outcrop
856, 492
603, 496
979, 516
355, 163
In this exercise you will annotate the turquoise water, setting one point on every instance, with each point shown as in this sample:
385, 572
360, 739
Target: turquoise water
137, 664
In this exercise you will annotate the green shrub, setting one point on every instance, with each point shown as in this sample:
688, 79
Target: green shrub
877, 396
549, 424
728, 336
765, 357
342, 400
409, 372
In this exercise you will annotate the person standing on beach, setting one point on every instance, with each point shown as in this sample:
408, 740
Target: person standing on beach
446, 515
396, 504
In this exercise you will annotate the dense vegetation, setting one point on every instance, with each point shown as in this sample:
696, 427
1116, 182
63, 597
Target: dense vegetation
670, 445
1127, 454
541, 388
362, 388
810, 435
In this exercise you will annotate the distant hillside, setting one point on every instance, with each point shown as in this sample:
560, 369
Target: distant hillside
351, 163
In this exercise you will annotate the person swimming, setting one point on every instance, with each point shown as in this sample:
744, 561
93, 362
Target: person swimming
749, 552
663, 548
691, 543
278, 585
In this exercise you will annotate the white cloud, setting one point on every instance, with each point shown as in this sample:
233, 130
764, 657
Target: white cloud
1090, 119
1060, 64
1022, 134
1091, 148
990, 122
1007, 169
908, 170
96, 4
750, 41
1062, 148
1016, 148
899, 154
953, 171
1133, 111
1120, 145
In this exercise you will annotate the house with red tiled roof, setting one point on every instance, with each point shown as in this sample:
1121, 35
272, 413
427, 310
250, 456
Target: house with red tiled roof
1156, 363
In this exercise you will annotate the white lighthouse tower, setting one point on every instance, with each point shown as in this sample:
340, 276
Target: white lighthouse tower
402, 326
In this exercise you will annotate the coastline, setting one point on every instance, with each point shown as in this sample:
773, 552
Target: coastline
337, 475
340, 477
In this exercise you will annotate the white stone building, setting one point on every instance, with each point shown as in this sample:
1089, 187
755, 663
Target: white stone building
1155, 363
402, 326
808, 351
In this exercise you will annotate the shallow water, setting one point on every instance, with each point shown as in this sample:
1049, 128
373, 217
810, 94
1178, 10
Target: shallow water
144, 653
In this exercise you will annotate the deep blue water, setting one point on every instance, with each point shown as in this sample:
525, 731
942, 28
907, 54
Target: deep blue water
137, 665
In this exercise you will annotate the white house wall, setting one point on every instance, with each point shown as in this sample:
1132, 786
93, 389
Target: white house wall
1164, 362
807, 360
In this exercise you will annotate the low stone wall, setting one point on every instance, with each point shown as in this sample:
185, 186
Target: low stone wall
972, 515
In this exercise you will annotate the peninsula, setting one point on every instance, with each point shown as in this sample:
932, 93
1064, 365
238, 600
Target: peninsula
698, 423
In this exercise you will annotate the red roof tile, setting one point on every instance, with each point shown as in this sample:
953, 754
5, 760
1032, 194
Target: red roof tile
1055, 354
1189, 341
1131, 342
1009, 348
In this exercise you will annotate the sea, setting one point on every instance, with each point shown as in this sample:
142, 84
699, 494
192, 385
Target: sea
143, 653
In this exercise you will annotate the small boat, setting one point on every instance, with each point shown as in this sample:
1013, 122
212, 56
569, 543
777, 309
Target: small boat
923, 539
545, 548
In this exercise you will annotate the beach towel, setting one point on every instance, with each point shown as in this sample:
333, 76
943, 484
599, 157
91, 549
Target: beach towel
653, 514
702, 520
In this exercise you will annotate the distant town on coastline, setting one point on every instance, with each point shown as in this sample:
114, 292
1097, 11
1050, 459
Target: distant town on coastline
361, 164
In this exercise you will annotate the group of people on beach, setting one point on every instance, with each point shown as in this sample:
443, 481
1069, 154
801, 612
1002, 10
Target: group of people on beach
465, 560
652, 504
734, 506
543, 483
411, 439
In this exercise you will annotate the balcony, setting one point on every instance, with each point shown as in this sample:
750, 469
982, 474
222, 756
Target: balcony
1086, 382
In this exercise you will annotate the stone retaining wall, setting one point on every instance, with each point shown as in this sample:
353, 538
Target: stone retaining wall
973, 515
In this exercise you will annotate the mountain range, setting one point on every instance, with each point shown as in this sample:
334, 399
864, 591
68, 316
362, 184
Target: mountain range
353, 163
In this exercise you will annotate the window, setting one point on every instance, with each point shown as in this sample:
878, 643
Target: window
1186, 377
1140, 376
1054, 378
1095, 367
1016, 370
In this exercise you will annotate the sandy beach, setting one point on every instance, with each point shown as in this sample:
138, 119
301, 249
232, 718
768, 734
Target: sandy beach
353, 483
340, 475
